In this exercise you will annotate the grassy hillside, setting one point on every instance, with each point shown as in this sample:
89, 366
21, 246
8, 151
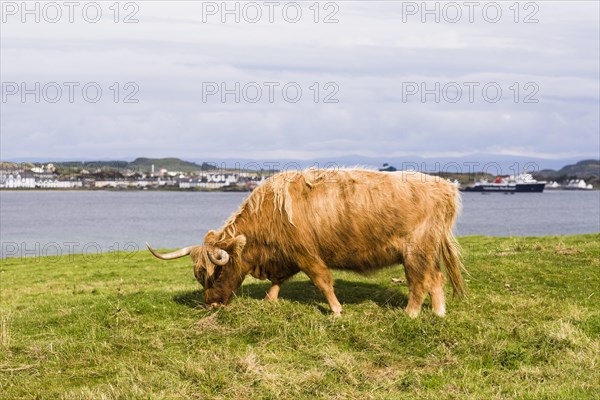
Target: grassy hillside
130, 326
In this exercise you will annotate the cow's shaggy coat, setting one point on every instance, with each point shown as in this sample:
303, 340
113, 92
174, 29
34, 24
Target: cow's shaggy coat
316, 220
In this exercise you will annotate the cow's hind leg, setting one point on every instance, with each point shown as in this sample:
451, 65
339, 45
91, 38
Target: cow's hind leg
416, 294
436, 291
423, 276
322, 278
419, 267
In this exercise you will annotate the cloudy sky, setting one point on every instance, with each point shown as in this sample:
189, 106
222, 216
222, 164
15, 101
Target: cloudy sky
295, 80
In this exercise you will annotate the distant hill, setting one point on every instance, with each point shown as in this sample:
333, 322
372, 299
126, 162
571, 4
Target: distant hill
171, 164
92, 164
588, 170
141, 164
585, 169
582, 169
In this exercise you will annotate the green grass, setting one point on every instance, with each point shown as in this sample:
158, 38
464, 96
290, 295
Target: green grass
130, 326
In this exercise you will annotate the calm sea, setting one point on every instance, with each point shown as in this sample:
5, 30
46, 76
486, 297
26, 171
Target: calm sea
52, 222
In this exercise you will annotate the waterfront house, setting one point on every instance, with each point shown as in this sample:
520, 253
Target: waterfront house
22, 180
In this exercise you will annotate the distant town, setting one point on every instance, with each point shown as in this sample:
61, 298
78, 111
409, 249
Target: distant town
114, 175
176, 174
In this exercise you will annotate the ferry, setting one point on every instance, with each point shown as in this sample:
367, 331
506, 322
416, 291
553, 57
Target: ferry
522, 183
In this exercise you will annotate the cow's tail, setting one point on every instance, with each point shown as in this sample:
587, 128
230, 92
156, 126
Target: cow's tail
450, 255
450, 249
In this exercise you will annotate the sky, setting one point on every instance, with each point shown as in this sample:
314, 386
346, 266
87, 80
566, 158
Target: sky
299, 80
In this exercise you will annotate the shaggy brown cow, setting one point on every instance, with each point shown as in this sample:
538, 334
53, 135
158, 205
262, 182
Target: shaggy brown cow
316, 220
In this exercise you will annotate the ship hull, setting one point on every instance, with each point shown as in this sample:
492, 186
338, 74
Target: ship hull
518, 188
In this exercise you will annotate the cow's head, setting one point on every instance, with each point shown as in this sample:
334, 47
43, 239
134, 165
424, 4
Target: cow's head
216, 265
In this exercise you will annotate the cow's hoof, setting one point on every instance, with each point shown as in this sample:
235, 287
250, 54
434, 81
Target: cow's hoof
412, 313
440, 313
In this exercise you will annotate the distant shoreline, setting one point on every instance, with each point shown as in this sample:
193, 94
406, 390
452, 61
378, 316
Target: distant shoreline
208, 190
174, 189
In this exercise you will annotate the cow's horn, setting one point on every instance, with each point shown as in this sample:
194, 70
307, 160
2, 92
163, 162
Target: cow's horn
170, 256
221, 259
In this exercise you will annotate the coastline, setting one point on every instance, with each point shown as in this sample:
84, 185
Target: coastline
220, 190
146, 189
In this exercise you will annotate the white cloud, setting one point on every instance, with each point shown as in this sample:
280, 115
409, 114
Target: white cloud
369, 54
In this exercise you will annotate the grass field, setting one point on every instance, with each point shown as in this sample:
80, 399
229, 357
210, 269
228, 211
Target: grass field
130, 326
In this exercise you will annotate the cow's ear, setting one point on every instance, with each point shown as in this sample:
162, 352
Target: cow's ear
210, 238
239, 243
233, 245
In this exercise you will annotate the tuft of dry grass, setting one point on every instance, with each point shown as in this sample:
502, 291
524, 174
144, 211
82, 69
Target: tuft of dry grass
5, 332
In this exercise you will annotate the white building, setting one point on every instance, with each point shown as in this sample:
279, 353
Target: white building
56, 184
210, 181
24, 180
578, 184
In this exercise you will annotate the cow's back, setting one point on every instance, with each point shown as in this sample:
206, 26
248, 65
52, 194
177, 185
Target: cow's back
353, 219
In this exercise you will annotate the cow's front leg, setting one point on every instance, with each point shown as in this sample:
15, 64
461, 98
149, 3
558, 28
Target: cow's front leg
273, 292
322, 278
